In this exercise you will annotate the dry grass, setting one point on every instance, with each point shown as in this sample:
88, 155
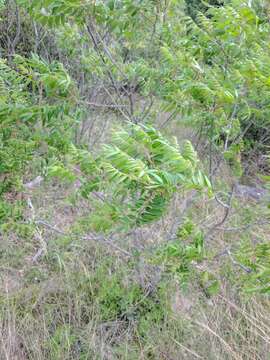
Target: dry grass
54, 308
82, 299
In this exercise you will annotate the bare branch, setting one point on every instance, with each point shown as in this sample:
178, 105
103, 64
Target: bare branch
87, 237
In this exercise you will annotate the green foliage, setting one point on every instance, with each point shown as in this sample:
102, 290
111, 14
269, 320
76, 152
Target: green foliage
128, 302
141, 170
210, 74
209, 284
216, 76
180, 255
254, 257
8, 211
67, 293
56, 12
256, 260
61, 342
214, 72
34, 117
193, 7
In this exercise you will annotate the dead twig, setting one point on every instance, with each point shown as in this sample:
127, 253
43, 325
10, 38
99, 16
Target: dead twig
246, 269
227, 208
87, 237
227, 252
109, 106
38, 233
243, 228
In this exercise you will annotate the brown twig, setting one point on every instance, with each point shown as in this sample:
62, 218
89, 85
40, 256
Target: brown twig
87, 237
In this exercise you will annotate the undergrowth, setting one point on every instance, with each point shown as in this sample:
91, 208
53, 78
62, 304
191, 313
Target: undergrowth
83, 299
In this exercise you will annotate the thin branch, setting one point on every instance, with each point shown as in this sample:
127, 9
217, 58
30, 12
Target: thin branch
104, 105
170, 117
243, 228
227, 208
49, 226
87, 237
246, 269
90, 30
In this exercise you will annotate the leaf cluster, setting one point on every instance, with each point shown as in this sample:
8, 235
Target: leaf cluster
142, 170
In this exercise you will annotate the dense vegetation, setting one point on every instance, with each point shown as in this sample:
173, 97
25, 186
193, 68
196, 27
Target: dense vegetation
134, 179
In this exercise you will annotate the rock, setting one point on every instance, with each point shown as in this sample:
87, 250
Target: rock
251, 192
34, 183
